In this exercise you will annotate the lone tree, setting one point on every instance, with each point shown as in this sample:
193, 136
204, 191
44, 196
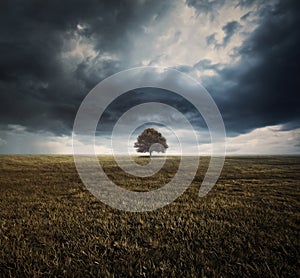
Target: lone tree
150, 140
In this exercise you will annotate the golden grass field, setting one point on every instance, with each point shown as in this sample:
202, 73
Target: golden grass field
247, 226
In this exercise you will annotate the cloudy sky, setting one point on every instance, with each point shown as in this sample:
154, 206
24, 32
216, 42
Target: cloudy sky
244, 52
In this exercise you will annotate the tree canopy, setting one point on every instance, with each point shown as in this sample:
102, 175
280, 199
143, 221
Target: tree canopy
150, 140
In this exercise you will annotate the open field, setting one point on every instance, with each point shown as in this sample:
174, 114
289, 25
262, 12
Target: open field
248, 225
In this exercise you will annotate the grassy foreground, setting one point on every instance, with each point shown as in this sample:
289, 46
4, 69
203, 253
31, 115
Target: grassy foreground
248, 225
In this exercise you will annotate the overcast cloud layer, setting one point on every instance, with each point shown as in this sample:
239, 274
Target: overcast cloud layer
52, 53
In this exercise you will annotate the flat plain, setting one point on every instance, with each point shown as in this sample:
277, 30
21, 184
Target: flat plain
248, 225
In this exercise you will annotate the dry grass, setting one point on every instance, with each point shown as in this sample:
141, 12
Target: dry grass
248, 225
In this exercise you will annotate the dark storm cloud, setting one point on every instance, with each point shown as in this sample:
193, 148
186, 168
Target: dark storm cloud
263, 88
91, 75
38, 89
41, 91
206, 64
212, 6
211, 39
205, 6
230, 29
202, 65
139, 96
246, 16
